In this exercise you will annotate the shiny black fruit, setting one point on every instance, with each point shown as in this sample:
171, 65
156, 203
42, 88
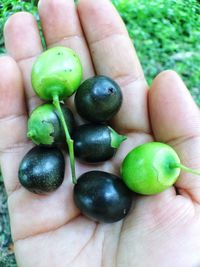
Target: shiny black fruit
98, 99
96, 143
102, 196
42, 170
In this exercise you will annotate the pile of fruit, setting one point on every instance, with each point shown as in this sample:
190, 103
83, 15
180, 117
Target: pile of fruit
104, 197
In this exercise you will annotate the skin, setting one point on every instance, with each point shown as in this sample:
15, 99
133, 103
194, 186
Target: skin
171, 218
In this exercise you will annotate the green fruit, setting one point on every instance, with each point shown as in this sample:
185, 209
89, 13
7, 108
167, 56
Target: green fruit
150, 168
56, 72
44, 125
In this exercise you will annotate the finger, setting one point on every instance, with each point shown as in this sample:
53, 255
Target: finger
175, 120
23, 43
13, 119
61, 26
113, 55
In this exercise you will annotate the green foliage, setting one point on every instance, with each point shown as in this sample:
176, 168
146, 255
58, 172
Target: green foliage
166, 35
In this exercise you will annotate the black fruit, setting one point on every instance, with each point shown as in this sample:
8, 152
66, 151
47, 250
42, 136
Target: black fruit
102, 196
98, 99
96, 143
42, 170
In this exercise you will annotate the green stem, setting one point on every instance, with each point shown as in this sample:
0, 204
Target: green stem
69, 141
178, 165
116, 139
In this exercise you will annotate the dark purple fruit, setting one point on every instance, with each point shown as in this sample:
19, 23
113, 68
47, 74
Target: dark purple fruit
42, 170
96, 143
102, 196
98, 99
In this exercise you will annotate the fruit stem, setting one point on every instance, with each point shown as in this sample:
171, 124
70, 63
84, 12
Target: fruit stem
179, 165
116, 139
69, 141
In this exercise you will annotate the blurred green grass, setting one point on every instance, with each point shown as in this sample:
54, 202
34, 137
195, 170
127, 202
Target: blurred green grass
166, 35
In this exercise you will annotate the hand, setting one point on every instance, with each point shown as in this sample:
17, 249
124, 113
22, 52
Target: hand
48, 231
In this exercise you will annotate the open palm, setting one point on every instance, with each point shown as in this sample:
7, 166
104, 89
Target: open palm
48, 231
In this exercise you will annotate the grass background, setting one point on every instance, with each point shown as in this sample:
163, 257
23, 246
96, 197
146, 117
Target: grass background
166, 35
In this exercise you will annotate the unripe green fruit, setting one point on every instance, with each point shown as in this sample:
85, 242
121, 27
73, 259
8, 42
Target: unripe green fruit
150, 168
44, 125
57, 71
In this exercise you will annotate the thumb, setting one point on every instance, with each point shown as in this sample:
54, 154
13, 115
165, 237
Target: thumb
175, 120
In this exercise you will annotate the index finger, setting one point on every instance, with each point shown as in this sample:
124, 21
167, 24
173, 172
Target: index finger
114, 55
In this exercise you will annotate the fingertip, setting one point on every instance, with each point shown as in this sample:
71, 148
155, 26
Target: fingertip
59, 20
91, 4
167, 86
103, 13
173, 112
166, 73
22, 38
16, 21
166, 76
61, 27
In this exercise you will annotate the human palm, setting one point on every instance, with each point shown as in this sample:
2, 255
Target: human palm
161, 230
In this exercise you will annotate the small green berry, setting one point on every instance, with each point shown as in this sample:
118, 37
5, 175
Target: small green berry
44, 125
150, 168
56, 72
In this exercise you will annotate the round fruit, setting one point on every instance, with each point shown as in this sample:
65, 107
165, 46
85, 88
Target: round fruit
150, 168
42, 170
56, 72
102, 196
98, 99
96, 143
44, 125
